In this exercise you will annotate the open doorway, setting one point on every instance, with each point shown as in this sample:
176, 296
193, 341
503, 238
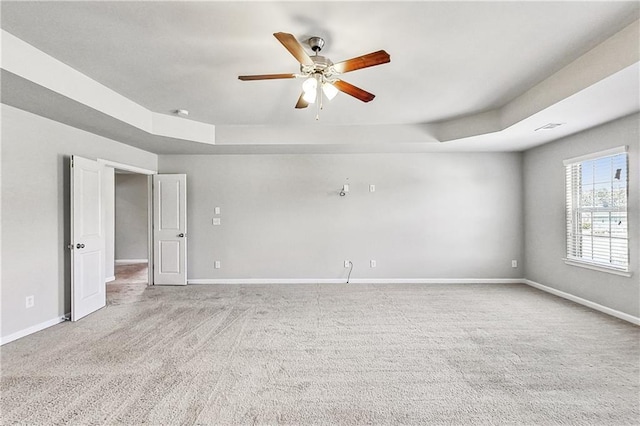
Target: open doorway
131, 237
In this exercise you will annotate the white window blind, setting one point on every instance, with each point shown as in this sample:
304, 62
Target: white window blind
596, 200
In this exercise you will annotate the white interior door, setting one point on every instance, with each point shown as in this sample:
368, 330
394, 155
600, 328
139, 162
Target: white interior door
170, 229
88, 288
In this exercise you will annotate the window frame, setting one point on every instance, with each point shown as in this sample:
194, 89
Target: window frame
573, 195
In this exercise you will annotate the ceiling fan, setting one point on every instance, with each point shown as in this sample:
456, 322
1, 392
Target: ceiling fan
320, 74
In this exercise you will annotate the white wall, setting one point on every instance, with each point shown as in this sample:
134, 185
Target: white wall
131, 217
35, 211
432, 215
545, 241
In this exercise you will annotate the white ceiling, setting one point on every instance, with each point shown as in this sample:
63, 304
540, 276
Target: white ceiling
448, 60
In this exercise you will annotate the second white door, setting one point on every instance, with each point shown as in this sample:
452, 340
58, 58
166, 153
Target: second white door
170, 229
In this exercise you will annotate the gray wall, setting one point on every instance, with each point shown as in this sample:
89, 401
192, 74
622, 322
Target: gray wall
432, 215
131, 217
545, 217
35, 211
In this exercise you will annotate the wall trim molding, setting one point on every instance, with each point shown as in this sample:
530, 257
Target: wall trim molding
130, 261
33, 329
109, 279
584, 302
249, 281
127, 167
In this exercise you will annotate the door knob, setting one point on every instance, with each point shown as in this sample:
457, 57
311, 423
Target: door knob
181, 235
80, 246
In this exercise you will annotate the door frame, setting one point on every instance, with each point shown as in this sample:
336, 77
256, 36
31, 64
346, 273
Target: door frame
149, 173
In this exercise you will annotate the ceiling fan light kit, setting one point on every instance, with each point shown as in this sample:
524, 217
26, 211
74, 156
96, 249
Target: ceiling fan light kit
320, 74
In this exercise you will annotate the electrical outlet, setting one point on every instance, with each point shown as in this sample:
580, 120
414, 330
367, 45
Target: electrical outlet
372, 188
216, 221
347, 263
216, 264
373, 263
514, 263
30, 301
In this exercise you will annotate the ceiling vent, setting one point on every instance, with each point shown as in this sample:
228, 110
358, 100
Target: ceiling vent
549, 126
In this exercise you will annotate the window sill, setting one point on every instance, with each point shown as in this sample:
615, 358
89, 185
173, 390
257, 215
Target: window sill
599, 268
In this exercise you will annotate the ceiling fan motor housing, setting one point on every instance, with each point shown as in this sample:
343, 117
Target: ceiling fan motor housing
316, 44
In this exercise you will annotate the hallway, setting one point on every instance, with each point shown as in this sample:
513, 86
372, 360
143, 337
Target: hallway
131, 280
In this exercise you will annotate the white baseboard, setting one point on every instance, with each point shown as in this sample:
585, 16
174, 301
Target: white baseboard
585, 302
436, 281
357, 281
109, 279
130, 261
33, 329
266, 281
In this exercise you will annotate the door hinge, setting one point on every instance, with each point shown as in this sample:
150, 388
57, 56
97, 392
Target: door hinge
70, 246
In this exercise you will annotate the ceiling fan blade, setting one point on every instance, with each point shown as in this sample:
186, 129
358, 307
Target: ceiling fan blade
291, 44
354, 91
301, 102
265, 77
364, 61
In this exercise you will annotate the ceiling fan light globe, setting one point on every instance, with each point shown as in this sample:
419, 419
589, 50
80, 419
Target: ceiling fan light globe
330, 91
310, 85
309, 97
309, 89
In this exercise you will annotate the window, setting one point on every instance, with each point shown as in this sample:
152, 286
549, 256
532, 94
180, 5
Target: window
596, 199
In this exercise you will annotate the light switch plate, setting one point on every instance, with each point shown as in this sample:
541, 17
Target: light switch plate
372, 188
216, 210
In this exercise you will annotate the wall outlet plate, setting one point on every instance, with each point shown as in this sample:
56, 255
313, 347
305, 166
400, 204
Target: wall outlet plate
514, 263
347, 263
216, 264
216, 221
30, 301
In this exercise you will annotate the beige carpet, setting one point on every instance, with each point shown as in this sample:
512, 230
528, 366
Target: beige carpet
328, 354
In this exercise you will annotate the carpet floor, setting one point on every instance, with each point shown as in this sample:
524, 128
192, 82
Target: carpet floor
131, 280
328, 354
